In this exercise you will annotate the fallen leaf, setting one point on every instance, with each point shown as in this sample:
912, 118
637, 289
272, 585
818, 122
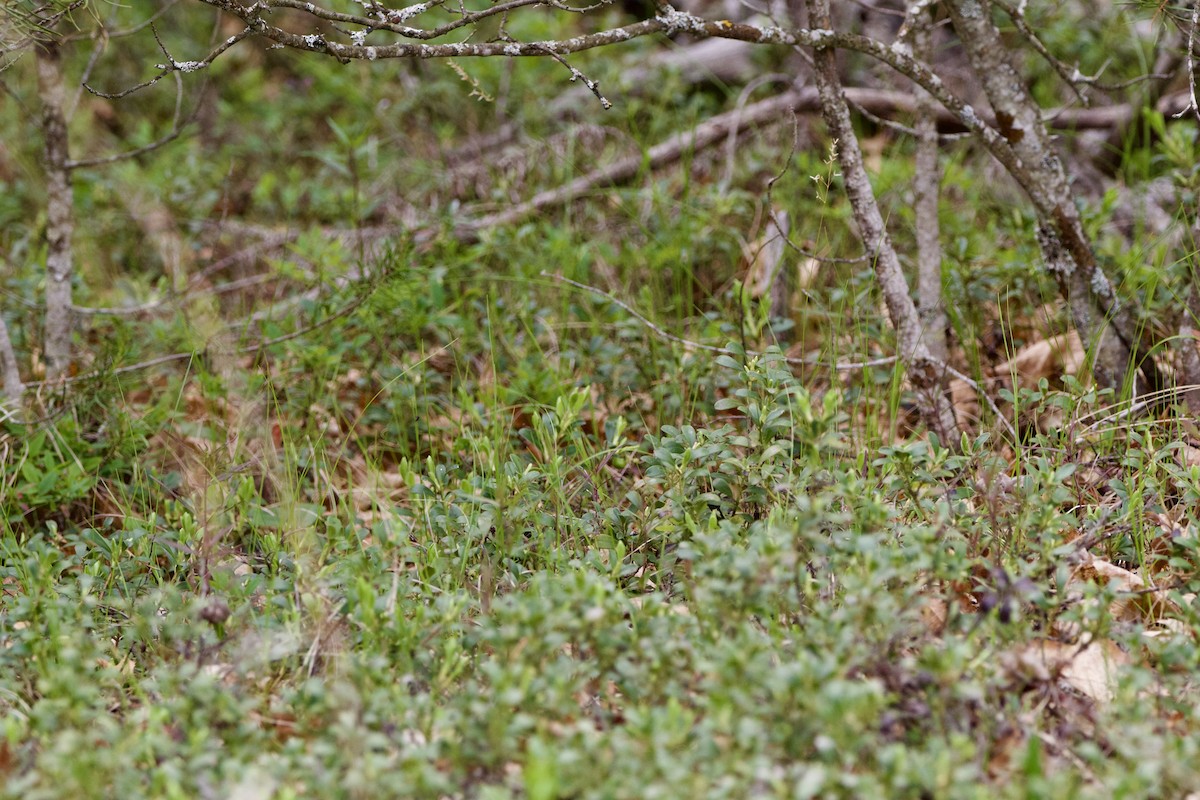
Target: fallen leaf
1048, 358
1089, 669
934, 614
766, 256
1137, 603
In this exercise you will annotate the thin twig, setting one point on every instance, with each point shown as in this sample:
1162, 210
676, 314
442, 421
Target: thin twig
177, 126
122, 33
592, 86
1069, 77
1191, 63
173, 66
743, 96
900, 127
987, 398
840, 366
173, 357
1148, 400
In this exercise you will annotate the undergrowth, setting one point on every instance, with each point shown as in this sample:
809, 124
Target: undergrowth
463, 529
427, 555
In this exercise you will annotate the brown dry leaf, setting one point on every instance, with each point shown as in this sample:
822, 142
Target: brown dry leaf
1173, 529
1004, 752
1140, 604
282, 724
1188, 456
1048, 358
873, 148
1089, 669
1168, 629
1093, 670
1101, 571
1028, 664
1038, 325
765, 256
808, 272
1161, 540
965, 401
1091, 478
934, 614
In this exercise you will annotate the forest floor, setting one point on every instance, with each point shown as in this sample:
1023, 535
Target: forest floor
549, 507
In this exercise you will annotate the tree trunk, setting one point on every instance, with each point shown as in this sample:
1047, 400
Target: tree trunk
1107, 327
9, 372
60, 212
1189, 342
925, 372
926, 186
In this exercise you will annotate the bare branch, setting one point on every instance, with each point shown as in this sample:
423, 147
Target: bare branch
97, 49
341, 313
1069, 76
60, 210
136, 28
704, 135
174, 66
177, 126
1097, 312
593, 86
317, 43
389, 20
1194, 107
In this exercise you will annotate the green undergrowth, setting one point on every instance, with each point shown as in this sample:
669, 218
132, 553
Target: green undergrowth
549, 513
463, 584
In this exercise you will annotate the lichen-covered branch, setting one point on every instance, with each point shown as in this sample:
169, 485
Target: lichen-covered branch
1107, 325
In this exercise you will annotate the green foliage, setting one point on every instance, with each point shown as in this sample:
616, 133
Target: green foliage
749, 615
490, 536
